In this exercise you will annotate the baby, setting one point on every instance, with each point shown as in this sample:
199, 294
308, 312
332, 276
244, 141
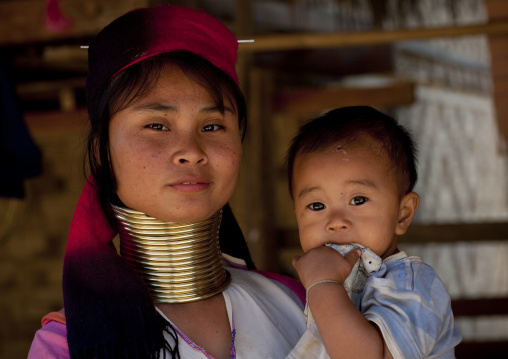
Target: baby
351, 177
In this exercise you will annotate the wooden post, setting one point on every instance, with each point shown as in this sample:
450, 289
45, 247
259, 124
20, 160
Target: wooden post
253, 201
243, 30
498, 11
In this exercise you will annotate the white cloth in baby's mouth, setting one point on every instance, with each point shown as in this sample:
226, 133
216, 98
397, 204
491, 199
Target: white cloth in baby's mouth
368, 264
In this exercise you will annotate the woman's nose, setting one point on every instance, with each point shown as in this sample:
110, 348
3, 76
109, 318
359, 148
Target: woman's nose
338, 221
189, 151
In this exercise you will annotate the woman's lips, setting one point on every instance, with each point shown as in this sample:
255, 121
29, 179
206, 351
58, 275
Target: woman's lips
190, 185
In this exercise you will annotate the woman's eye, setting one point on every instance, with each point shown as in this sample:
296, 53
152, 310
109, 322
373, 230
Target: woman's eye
212, 128
316, 206
357, 201
157, 126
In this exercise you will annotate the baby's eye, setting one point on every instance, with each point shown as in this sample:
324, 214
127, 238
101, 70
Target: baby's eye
358, 201
157, 127
316, 206
212, 128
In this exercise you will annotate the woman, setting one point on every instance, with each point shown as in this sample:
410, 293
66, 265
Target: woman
167, 121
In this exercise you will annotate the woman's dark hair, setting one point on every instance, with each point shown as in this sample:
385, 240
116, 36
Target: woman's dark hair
137, 81
351, 123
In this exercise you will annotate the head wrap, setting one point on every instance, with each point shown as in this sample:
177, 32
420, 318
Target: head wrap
143, 33
108, 308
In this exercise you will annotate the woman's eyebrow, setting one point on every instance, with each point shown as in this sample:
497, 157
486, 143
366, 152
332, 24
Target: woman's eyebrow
212, 109
160, 107
155, 106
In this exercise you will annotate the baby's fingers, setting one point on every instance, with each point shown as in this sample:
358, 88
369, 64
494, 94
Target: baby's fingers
353, 256
295, 261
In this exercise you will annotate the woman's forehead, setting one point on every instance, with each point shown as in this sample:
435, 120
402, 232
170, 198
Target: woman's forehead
162, 86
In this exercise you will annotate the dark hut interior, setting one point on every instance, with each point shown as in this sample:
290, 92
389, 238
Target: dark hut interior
439, 66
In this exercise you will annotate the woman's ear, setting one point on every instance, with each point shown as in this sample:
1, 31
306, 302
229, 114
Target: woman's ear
408, 206
96, 148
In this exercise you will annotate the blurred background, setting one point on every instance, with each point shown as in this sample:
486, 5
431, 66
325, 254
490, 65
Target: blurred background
439, 66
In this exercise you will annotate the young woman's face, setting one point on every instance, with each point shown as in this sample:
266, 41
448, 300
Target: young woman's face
347, 195
175, 156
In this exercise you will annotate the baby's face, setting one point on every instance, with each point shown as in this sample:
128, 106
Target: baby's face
347, 194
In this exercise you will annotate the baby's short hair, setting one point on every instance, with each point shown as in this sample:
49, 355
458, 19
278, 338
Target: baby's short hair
351, 123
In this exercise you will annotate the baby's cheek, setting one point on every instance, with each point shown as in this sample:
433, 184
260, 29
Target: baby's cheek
308, 238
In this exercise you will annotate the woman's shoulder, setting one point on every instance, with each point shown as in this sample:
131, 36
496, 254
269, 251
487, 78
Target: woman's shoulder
51, 340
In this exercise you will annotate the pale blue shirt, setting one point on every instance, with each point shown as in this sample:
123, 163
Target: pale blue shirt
409, 303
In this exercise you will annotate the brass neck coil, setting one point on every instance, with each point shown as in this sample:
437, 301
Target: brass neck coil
179, 262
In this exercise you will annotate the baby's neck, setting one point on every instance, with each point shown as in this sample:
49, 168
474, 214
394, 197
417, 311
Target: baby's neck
390, 252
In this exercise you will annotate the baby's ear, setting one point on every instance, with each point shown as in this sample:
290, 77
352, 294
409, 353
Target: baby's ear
407, 211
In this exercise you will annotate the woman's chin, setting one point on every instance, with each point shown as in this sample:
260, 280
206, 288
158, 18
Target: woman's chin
182, 216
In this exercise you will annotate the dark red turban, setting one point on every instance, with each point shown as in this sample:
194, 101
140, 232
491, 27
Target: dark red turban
143, 33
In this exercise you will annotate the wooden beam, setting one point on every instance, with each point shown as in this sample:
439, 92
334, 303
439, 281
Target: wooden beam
482, 306
472, 232
23, 22
315, 100
29, 88
432, 233
50, 122
475, 350
363, 38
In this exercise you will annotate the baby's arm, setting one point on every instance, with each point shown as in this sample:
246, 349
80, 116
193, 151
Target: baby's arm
344, 330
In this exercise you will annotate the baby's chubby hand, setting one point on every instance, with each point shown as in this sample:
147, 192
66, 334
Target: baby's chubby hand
324, 263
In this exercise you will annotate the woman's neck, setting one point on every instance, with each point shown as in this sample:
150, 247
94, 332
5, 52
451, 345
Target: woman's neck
179, 262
